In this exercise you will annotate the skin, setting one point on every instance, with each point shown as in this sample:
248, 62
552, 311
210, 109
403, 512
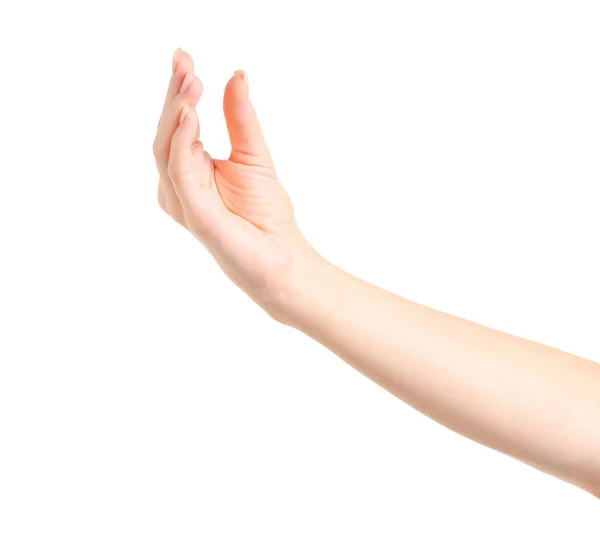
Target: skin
532, 402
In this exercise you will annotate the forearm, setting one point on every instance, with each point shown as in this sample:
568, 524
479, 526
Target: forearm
530, 401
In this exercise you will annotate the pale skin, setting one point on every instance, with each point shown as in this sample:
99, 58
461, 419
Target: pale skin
532, 402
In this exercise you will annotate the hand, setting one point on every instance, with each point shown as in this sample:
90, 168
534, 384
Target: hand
236, 207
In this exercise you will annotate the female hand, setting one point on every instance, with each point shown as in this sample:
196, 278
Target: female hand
236, 207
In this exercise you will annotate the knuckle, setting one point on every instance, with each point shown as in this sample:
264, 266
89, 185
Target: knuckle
176, 105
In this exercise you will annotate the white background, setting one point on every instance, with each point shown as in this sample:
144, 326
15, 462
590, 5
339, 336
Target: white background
447, 151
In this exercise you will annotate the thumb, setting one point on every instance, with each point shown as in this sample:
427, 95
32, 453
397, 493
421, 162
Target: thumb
248, 146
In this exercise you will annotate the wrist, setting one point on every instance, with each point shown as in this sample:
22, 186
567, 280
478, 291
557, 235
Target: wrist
307, 273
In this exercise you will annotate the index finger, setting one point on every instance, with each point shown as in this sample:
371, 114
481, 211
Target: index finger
182, 66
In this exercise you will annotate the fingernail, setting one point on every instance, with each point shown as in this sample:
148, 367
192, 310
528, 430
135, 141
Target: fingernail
175, 58
187, 83
242, 75
184, 114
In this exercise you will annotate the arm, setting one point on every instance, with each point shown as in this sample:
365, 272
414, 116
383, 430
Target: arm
532, 402
537, 404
